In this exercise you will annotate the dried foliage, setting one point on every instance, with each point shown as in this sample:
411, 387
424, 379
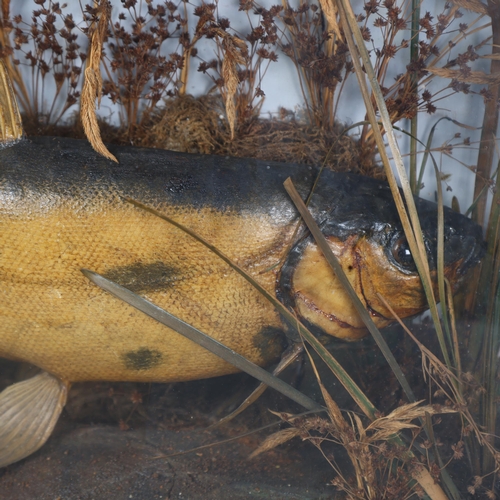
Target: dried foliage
49, 48
11, 128
382, 468
148, 50
146, 54
461, 393
440, 36
139, 75
472, 5
194, 125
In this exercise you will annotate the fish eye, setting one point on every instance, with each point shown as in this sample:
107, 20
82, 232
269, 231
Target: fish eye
402, 254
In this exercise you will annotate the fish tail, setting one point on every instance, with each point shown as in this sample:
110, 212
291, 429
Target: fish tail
29, 411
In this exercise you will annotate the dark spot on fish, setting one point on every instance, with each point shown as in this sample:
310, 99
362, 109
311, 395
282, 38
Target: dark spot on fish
140, 277
180, 184
142, 359
271, 342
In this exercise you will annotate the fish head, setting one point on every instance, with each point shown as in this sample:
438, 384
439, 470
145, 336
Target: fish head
368, 239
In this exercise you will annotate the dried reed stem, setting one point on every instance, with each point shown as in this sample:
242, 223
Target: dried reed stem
472, 5
468, 77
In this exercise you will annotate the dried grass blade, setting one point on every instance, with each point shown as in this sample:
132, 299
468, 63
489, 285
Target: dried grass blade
92, 86
13, 69
455, 341
440, 261
428, 147
231, 439
413, 231
235, 50
488, 280
330, 11
485, 159
482, 194
485, 343
401, 418
333, 409
490, 364
428, 483
414, 55
472, 5
276, 439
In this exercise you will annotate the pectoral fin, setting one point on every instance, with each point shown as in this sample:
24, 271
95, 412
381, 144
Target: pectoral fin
28, 413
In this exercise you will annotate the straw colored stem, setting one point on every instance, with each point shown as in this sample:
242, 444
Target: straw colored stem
412, 230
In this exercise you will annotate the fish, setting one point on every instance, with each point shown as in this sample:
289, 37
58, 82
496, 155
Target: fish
64, 208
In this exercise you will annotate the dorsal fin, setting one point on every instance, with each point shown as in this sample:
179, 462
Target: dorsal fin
11, 126
29, 411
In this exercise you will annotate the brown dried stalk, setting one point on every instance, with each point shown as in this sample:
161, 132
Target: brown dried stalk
331, 13
490, 122
92, 86
139, 73
472, 5
319, 54
48, 48
7, 51
467, 77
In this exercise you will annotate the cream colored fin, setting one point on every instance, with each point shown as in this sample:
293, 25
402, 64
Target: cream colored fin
11, 126
28, 413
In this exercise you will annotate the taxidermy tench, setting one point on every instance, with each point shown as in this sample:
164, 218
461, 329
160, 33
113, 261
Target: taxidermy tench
63, 208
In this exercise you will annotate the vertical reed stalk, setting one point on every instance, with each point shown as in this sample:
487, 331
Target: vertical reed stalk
415, 30
490, 122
